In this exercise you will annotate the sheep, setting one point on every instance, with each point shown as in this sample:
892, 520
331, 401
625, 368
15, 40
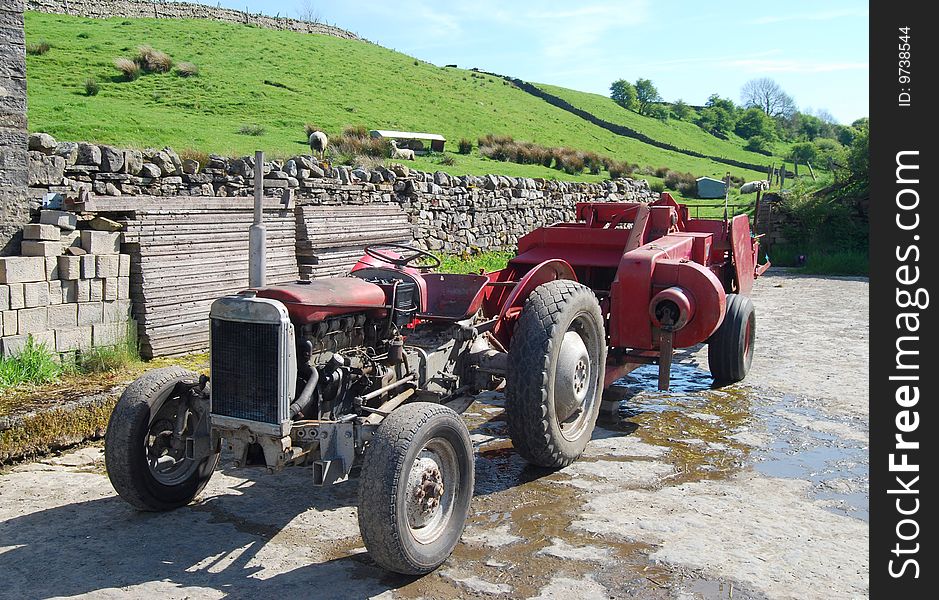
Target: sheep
754, 186
401, 153
318, 143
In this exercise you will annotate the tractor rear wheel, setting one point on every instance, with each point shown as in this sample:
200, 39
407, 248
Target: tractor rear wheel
730, 348
557, 359
145, 454
415, 488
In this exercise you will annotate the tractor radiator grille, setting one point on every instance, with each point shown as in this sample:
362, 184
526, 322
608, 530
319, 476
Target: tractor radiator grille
245, 370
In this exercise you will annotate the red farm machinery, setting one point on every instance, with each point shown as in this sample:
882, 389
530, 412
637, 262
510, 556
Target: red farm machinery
372, 369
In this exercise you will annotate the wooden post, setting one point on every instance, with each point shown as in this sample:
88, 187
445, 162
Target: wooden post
782, 176
811, 170
769, 173
756, 211
257, 233
795, 165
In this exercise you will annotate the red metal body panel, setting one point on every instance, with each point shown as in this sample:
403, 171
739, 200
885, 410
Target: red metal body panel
744, 253
322, 298
543, 273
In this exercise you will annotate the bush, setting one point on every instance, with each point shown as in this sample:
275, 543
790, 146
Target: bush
760, 144
309, 128
803, 152
252, 130
593, 162
465, 146
152, 60
618, 170
110, 358
38, 48
187, 69
660, 172
447, 160
685, 183
657, 186
355, 131
34, 364
658, 111
92, 87
128, 68
197, 155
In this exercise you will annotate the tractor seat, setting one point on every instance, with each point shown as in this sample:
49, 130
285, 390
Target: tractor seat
453, 297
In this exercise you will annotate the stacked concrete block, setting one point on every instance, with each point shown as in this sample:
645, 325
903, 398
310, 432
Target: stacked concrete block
66, 302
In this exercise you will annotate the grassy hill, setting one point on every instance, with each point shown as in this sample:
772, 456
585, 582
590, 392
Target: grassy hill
279, 80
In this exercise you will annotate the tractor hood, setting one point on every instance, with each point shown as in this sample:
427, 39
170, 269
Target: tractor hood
312, 301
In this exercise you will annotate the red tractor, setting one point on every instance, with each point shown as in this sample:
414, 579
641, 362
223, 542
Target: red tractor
373, 368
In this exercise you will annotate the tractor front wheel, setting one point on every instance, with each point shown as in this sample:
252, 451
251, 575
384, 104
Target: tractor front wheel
557, 359
730, 348
147, 453
415, 488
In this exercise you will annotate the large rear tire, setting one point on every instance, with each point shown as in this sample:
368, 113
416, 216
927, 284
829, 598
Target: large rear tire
730, 348
415, 488
557, 360
143, 465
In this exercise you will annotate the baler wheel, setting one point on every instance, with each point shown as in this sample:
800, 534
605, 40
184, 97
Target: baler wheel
557, 359
145, 465
730, 348
415, 488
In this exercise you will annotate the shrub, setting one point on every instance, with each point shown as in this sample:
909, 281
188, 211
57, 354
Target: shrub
618, 169
465, 146
253, 130
355, 131
661, 172
571, 163
38, 48
309, 128
685, 183
657, 186
447, 160
92, 87
592, 162
760, 144
152, 60
197, 155
33, 364
128, 68
187, 69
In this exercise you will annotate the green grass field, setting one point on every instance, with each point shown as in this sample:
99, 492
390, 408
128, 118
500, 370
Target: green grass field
279, 80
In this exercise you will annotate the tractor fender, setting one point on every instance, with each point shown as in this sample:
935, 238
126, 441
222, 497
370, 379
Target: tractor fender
549, 270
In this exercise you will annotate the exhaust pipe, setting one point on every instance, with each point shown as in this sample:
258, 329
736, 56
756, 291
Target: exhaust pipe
257, 234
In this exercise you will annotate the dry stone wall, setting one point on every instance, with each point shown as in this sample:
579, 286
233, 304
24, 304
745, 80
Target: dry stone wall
14, 210
160, 9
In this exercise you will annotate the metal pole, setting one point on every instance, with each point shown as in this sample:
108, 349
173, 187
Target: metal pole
257, 235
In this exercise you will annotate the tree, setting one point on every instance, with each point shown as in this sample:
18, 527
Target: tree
715, 101
681, 110
765, 94
716, 120
308, 12
754, 122
659, 111
646, 94
623, 93
760, 144
811, 127
803, 152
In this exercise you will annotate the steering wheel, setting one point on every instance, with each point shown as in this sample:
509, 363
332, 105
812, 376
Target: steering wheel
411, 254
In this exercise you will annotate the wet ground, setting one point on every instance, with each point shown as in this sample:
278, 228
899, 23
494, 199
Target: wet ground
751, 491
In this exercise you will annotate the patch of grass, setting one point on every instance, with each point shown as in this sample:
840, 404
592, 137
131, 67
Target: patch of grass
128, 68
469, 262
821, 261
465, 146
34, 364
152, 60
38, 48
204, 113
187, 69
252, 130
92, 87
109, 359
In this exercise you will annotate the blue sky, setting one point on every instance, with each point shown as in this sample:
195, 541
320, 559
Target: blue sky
817, 51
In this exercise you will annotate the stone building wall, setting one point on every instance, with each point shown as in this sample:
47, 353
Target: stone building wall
14, 210
160, 9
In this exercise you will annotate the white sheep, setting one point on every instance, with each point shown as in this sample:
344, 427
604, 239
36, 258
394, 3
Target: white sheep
754, 186
318, 143
401, 153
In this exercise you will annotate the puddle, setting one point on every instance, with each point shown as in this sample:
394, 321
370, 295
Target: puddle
713, 433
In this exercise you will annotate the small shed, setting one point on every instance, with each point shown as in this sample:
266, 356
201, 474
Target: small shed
708, 187
415, 141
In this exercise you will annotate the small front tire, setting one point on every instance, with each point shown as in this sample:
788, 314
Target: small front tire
730, 348
144, 466
415, 488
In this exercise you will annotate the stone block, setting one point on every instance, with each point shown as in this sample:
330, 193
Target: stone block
123, 288
123, 268
107, 265
55, 292
70, 267
73, 338
10, 322
90, 313
4, 297
96, 290
63, 315
110, 289
32, 320
36, 294
70, 291
101, 242
14, 344
116, 312
34, 248
109, 334
65, 221
17, 299
83, 292
22, 269
71, 239
41, 232
89, 264
52, 268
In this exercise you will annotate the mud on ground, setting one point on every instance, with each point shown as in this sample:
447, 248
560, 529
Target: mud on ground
752, 491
